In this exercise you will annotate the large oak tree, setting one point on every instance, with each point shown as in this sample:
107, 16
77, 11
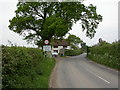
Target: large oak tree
38, 21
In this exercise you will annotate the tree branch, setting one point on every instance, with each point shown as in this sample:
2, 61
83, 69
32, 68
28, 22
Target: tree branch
38, 13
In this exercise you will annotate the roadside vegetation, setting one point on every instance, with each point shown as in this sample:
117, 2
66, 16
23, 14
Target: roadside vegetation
106, 54
73, 52
25, 68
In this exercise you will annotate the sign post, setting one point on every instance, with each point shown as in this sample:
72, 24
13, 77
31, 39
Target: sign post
46, 42
47, 48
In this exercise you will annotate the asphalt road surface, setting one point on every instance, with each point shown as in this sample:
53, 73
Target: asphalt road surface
79, 72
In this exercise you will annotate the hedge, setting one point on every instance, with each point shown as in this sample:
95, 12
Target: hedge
25, 68
73, 52
106, 54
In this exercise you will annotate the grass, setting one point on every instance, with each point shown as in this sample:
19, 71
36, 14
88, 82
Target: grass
25, 68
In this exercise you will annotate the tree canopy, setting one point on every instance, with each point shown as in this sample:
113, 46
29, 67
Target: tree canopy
74, 41
38, 21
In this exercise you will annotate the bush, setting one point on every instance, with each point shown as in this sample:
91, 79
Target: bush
25, 68
106, 54
73, 52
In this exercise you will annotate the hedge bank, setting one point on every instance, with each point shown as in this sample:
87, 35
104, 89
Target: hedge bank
107, 54
25, 68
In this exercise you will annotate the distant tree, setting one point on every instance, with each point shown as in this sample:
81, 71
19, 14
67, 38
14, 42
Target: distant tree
83, 45
103, 43
119, 40
74, 41
38, 21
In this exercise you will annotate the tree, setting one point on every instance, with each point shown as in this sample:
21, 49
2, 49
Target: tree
38, 21
74, 41
103, 43
84, 46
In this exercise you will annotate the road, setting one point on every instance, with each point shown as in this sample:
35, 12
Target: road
79, 72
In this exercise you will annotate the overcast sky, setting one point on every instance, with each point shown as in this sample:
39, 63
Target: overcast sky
107, 29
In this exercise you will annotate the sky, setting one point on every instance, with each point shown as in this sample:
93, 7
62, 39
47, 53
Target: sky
107, 29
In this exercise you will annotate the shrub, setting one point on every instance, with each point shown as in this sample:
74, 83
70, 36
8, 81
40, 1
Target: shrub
73, 52
106, 54
25, 68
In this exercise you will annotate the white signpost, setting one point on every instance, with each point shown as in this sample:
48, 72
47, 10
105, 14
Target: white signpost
47, 48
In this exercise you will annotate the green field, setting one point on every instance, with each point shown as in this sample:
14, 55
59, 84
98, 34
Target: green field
25, 68
106, 54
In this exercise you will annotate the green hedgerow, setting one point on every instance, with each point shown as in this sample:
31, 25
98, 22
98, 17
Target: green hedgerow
73, 52
106, 54
25, 68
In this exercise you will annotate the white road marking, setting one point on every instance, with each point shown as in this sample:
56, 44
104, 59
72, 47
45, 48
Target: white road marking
98, 76
103, 79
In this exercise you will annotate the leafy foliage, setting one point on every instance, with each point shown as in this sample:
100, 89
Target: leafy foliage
25, 68
106, 54
74, 41
84, 46
73, 52
38, 21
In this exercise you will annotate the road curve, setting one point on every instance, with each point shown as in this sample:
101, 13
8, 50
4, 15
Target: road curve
80, 72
